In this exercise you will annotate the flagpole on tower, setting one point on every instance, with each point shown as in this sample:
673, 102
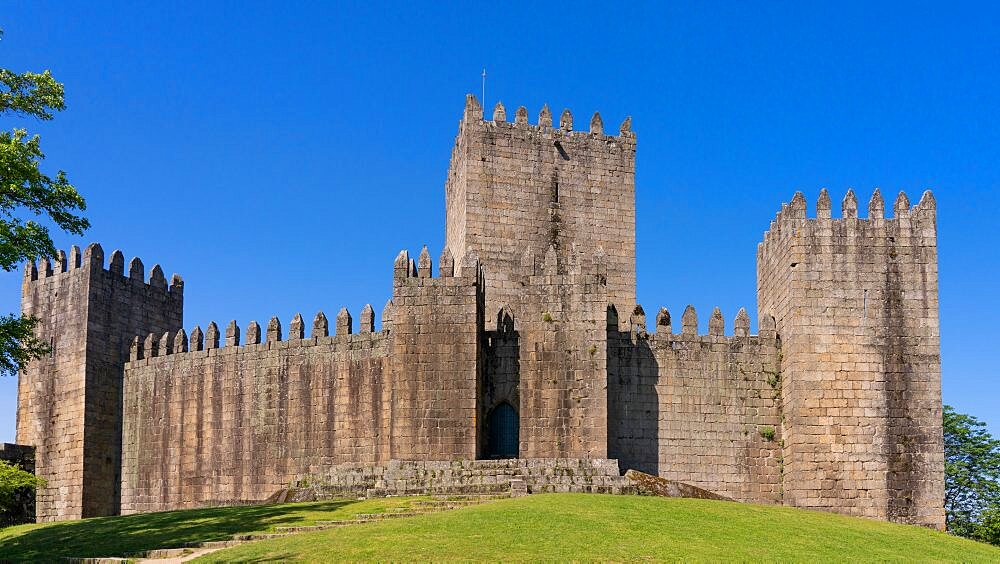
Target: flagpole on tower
484, 87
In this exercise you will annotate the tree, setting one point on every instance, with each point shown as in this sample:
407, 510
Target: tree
26, 191
971, 477
16, 487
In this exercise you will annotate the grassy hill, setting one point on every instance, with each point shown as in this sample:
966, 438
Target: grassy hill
538, 527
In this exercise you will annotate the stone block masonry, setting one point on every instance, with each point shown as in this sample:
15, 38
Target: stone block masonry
522, 358
211, 425
855, 302
69, 404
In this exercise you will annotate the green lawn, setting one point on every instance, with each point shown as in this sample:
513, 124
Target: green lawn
121, 536
619, 528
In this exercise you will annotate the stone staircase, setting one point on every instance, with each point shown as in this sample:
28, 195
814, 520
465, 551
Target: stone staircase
497, 477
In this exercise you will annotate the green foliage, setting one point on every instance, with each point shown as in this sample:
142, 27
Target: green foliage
988, 528
767, 432
13, 480
26, 191
971, 473
547, 317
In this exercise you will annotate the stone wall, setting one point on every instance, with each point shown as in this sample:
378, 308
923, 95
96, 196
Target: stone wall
69, 404
703, 410
206, 425
855, 303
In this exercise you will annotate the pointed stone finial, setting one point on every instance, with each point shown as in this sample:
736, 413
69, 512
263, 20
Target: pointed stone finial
521, 116
367, 321
545, 116
469, 266
876, 206
741, 327
716, 323
424, 263
446, 264
61, 262
75, 257
117, 263
343, 322
637, 321
135, 350
566, 120
321, 327
901, 208
927, 201
387, 316
197, 339
296, 329
797, 208
849, 208
597, 124
30, 270
136, 271
166, 345
176, 283
93, 256
212, 336
663, 322
499, 113
232, 334
767, 327
150, 346
473, 110
45, 267
181, 342
273, 330
253, 333
689, 321
823, 205
401, 266
156, 278
626, 126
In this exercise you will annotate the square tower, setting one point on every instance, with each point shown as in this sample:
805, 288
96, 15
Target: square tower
514, 190
70, 402
550, 213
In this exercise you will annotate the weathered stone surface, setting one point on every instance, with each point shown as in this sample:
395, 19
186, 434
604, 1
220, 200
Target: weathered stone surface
662, 487
528, 343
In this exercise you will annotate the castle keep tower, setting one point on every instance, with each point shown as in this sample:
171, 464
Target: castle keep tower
70, 403
855, 303
550, 212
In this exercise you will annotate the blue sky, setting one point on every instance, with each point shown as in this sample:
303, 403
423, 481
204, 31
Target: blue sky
279, 156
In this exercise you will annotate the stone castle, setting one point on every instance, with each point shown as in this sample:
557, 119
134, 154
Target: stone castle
526, 342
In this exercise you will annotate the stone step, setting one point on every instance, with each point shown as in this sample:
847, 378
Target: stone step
167, 553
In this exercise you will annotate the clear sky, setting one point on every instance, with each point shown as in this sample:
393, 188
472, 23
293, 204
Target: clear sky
279, 155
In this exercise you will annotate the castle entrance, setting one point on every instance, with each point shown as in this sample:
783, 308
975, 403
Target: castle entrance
503, 432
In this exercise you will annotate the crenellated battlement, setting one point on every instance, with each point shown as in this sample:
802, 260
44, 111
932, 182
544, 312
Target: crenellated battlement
473, 114
663, 328
92, 259
793, 215
158, 345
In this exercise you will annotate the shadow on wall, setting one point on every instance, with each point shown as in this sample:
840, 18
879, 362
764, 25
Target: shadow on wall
501, 387
633, 403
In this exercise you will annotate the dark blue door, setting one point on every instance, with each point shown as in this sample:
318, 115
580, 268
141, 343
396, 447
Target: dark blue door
503, 432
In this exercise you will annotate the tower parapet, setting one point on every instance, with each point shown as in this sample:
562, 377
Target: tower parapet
855, 302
